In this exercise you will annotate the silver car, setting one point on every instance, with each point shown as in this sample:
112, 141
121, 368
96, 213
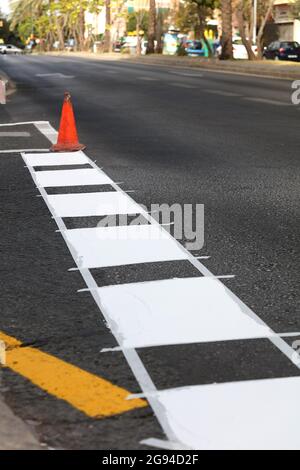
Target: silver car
9, 49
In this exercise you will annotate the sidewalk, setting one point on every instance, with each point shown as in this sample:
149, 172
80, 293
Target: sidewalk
14, 434
10, 85
263, 68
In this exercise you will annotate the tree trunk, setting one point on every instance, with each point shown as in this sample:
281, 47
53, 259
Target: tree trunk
151, 27
81, 29
202, 23
262, 28
159, 32
60, 34
241, 23
138, 37
107, 35
226, 39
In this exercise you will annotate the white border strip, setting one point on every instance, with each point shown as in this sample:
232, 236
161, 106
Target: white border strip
23, 150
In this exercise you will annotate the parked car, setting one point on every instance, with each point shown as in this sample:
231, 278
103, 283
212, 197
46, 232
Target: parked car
239, 50
282, 50
195, 49
10, 49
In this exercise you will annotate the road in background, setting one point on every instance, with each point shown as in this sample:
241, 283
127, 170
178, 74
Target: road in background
174, 136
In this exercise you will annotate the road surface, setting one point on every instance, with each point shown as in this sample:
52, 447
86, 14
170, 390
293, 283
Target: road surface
174, 136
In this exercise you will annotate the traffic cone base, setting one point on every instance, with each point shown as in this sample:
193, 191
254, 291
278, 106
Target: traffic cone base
67, 136
67, 147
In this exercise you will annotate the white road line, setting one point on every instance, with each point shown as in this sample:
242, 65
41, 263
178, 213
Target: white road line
53, 75
168, 409
46, 130
23, 150
24, 123
14, 134
192, 75
267, 101
148, 79
182, 85
221, 93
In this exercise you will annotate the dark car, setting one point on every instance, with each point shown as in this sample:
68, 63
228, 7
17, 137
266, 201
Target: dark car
283, 50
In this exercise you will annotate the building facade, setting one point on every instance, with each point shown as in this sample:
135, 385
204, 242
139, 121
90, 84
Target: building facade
286, 21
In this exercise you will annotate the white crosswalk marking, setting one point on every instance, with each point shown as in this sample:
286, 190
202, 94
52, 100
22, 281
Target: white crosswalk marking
248, 414
177, 311
79, 205
115, 246
71, 178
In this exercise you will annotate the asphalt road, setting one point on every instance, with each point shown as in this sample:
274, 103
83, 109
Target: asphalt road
172, 135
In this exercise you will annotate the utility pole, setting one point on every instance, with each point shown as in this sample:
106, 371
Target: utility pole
254, 21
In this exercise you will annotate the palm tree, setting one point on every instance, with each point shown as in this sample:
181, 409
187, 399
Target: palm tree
226, 40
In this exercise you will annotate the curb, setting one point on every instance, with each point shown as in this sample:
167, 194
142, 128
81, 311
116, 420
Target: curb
231, 68
264, 69
10, 85
14, 434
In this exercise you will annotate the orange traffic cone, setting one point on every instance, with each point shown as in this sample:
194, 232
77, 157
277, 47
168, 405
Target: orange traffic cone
67, 136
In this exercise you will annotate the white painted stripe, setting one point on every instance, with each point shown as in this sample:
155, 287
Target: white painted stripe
76, 177
47, 130
250, 415
160, 444
177, 311
183, 74
23, 150
267, 101
182, 85
53, 75
25, 123
86, 204
148, 79
114, 246
14, 134
221, 93
68, 158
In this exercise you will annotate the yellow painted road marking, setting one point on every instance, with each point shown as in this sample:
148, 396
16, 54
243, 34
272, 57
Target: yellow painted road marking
94, 396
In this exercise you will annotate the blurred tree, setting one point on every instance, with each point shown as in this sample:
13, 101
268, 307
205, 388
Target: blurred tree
192, 16
53, 20
265, 14
151, 27
226, 39
204, 8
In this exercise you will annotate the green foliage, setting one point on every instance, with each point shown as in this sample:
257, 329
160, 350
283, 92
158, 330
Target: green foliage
52, 19
6, 36
209, 4
132, 21
181, 51
187, 18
